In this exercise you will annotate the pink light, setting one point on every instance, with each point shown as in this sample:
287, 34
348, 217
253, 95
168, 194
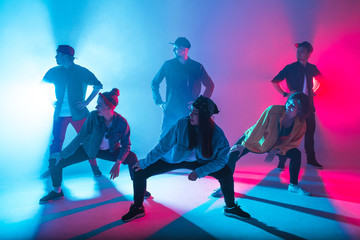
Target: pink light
316, 85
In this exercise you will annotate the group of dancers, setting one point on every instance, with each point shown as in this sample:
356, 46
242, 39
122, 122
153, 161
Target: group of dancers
190, 140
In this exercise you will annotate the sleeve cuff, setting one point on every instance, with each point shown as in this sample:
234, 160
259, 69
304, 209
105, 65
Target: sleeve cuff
200, 173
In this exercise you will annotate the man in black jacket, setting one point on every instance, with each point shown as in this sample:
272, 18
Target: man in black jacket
299, 78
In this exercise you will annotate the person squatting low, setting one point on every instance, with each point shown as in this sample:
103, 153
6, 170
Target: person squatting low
105, 135
279, 131
199, 145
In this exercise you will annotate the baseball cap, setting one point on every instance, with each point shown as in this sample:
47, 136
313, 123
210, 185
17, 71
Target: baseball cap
66, 49
182, 42
306, 45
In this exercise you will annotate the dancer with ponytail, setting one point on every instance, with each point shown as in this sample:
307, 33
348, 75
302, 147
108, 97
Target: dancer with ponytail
105, 135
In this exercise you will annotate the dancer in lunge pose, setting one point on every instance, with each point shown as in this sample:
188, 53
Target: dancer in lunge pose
279, 131
199, 145
105, 135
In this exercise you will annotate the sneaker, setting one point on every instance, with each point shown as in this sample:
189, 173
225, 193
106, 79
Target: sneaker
217, 193
96, 171
45, 174
236, 212
280, 169
52, 196
134, 212
147, 195
315, 165
297, 189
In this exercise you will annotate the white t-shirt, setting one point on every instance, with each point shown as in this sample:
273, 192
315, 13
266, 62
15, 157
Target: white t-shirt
65, 108
105, 143
305, 89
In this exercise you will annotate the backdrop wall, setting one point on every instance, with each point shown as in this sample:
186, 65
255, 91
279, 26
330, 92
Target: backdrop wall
242, 45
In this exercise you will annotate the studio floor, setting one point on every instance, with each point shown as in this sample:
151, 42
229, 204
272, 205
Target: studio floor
181, 209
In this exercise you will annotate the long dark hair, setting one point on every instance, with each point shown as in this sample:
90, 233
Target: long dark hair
304, 104
206, 133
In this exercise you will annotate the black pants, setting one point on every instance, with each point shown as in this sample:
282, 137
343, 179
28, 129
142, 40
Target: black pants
80, 156
294, 154
224, 176
309, 138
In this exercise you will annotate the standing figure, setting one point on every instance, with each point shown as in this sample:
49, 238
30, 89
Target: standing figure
105, 135
199, 145
279, 131
184, 78
71, 81
299, 78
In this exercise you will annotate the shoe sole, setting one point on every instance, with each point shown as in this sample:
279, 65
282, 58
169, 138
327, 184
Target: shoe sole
135, 217
217, 195
299, 193
235, 216
309, 165
54, 199
44, 176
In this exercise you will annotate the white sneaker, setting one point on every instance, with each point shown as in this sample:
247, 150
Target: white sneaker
297, 189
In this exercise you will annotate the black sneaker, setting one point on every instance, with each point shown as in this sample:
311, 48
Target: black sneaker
217, 193
96, 171
52, 196
134, 212
236, 212
315, 165
147, 195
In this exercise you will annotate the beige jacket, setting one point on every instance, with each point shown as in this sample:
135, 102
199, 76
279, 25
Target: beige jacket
264, 135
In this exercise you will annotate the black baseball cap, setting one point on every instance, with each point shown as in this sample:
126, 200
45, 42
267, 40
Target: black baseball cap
66, 49
306, 45
182, 42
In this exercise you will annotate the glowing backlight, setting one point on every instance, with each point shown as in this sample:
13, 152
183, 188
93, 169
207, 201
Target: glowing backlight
316, 85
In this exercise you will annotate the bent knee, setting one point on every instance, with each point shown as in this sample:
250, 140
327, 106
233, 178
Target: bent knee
131, 159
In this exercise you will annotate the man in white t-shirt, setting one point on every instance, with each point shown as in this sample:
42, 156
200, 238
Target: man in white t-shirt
70, 81
299, 78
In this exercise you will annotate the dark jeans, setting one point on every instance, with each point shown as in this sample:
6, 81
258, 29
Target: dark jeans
80, 156
59, 130
224, 176
169, 119
294, 154
309, 138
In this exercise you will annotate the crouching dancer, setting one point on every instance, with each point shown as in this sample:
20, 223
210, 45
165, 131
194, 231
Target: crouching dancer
105, 135
279, 131
199, 145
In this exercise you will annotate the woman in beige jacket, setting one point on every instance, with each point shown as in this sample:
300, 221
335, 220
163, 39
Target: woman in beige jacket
279, 131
